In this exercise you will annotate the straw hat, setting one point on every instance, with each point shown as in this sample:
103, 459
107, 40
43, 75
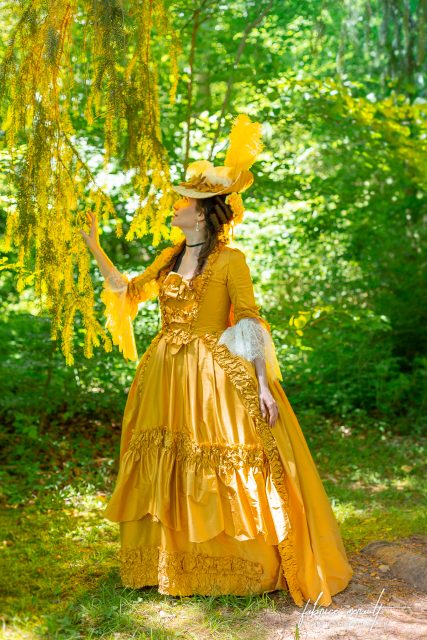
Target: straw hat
204, 180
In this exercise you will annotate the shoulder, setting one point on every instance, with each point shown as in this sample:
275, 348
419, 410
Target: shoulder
168, 252
236, 257
233, 253
229, 256
236, 263
162, 257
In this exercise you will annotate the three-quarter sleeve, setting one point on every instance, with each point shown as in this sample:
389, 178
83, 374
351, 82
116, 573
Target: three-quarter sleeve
250, 334
121, 295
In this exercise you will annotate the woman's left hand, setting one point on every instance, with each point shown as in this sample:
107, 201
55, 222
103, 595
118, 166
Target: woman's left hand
268, 406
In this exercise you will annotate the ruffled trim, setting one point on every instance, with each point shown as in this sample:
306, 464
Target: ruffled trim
120, 311
122, 294
223, 457
173, 285
249, 339
247, 386
185, 573
210, 487
177, 322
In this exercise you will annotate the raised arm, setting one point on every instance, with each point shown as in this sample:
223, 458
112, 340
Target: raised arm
121, 293
106, 267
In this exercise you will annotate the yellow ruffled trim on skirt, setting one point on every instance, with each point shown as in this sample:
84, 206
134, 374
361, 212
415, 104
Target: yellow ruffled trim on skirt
305, 556
185, 573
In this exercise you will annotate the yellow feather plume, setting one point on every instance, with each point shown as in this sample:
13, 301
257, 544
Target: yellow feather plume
245, 144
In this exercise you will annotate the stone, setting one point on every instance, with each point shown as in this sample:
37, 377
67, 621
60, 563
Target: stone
406, 565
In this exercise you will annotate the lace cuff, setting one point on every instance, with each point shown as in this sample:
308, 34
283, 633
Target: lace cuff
120, 310
249, 339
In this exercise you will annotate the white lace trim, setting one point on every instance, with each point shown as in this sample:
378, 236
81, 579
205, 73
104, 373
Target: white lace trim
249, 339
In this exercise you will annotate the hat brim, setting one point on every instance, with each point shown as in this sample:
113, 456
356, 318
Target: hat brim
192, 193
242, 182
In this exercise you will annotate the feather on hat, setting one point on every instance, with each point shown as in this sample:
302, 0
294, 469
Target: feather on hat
204, 180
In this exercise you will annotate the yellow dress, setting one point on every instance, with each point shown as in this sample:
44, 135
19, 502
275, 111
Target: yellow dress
210, 498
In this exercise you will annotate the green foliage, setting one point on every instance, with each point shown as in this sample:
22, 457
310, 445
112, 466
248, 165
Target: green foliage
335, 236
78, 82
338, 353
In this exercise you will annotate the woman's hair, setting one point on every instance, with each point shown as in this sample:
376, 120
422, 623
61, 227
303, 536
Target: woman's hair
217, 213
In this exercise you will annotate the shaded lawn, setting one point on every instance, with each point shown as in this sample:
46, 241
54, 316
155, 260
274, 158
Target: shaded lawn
59, 555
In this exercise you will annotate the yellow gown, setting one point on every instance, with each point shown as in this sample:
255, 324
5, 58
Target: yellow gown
210, 498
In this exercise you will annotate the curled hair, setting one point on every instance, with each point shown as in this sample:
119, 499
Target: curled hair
217, 214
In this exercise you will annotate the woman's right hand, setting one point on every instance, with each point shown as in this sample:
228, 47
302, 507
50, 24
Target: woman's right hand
91, 238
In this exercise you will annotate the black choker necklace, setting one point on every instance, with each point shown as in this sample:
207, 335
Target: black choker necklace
194, 245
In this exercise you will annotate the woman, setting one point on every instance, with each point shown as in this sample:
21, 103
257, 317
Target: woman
217, 492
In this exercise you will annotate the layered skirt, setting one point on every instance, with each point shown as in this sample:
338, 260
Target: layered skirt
211, 499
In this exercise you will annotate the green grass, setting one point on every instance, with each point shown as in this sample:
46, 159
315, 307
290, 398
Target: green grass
63, 582
375, 478
59, 553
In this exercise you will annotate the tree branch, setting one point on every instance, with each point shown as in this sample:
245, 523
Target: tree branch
239, 52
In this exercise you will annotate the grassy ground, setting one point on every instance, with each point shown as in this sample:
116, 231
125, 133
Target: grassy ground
59, 555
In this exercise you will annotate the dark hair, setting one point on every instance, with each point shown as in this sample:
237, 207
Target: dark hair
217, 213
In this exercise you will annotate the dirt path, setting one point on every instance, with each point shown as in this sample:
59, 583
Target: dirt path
375, 605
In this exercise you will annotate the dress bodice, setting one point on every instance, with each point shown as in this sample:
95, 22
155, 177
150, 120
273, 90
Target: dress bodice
215, 301
178, 302
202, 306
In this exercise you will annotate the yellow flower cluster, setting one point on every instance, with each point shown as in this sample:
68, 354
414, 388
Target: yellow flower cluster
48, 196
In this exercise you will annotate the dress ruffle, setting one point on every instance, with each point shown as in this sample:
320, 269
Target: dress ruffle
121, 307
202, 489
120, 311
122, 295
247, 387
178, 571
209, 497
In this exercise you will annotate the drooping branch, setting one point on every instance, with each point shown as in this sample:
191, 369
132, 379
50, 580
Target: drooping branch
48, 81
196, 24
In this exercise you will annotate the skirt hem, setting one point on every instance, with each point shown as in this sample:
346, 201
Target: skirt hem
193, 573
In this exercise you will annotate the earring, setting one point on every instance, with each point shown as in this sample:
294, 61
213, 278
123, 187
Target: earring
197, 225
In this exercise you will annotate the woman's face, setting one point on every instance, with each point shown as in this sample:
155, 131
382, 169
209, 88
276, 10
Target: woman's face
186, 214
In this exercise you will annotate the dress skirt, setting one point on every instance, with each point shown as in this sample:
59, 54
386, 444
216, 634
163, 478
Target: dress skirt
210, 498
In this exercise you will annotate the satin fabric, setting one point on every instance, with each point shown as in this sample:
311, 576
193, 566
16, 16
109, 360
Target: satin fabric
209, 498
